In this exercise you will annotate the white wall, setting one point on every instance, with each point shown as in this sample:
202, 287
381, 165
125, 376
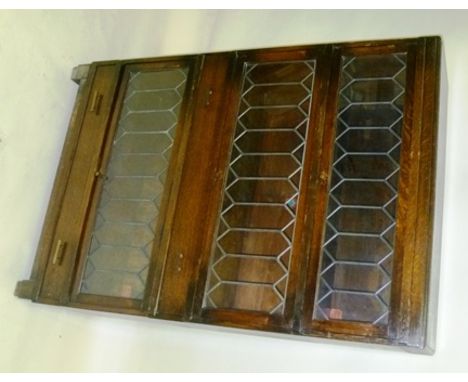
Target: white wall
38, 50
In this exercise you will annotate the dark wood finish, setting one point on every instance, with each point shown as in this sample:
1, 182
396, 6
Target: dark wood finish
193, 193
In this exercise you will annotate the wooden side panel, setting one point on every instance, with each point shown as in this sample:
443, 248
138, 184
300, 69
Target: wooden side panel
65, 239
424, 208
30, 288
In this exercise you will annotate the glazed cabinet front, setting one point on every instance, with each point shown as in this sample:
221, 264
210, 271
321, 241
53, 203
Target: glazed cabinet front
250, 265
287, 190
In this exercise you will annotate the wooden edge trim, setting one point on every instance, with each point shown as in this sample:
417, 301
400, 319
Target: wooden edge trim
350, 337
248, 320
108, 303
107, 308
346, 328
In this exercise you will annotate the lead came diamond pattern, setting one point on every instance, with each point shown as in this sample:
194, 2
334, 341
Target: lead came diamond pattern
356, 261
250, 264
122, 240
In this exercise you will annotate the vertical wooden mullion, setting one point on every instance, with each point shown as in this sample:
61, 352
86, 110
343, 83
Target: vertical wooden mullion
301, 238
319, 179
184, 251
227, 127
309, 188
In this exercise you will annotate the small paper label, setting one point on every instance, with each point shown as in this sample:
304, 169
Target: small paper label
335, 314
126, 290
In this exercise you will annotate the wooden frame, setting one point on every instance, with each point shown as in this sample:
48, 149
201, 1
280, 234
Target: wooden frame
179, 264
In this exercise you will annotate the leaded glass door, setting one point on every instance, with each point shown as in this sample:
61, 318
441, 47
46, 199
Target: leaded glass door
122, 244
357, 253
252, 269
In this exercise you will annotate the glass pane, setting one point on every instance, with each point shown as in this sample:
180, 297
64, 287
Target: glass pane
356, 262
250, 264
122, 239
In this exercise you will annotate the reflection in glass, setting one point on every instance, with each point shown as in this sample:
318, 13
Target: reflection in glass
356, 261
122, 240
250, 264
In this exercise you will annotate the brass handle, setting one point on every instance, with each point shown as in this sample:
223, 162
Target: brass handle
96, 103
58, 253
